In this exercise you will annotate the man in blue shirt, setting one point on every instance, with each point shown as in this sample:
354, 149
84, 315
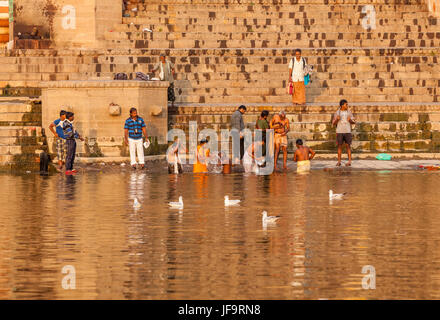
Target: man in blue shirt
70, 135
60, 139
134, 128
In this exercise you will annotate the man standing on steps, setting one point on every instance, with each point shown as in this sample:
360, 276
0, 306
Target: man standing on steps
297, 68
60, 139
343, 119
166, 73
237, 123
134, 128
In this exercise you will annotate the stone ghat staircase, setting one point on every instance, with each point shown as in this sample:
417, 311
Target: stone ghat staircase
227, 76
21, 136
380, 128
238, 51
233, 52
279, 24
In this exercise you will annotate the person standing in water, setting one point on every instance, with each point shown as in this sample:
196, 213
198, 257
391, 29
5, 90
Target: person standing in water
70, 134
202, 157
262, 123
60, 139
237, 123
133, 129
173, 157
343, 119
302, 156
281, 126
250, 160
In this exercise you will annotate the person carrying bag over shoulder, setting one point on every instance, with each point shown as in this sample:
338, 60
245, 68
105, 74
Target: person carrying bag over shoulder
299, 77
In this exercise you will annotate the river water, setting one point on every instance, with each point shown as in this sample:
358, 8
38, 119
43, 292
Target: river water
389, 220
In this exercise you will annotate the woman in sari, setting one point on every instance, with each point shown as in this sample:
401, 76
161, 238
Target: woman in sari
202, 157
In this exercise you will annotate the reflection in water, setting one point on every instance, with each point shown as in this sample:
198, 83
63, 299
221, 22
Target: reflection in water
316, 251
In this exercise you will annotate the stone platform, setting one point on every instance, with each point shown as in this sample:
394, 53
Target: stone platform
101, 108
381, 127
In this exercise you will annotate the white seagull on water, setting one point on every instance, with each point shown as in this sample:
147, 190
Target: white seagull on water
177, 205
136, 204
269, 219
335, 196
147, 30
231, 202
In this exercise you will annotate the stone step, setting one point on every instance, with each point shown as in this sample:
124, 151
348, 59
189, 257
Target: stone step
330, 91
324, 11
131, 27
165, 3
88, 56
301, 5
171, 29
165, 6
20, 117
273, 44
23, 140
15, 107
369, 146
407, 19
20, 131
281, 36
317, 99
250, 72
42, 65
240, 65
10, 149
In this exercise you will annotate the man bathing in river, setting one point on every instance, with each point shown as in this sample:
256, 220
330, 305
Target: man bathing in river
302, 156
281, 126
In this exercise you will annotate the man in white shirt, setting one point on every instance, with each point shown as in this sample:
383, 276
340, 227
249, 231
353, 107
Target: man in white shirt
343, 119
297, 66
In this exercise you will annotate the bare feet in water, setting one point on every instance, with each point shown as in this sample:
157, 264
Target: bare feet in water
338, 164
348, 164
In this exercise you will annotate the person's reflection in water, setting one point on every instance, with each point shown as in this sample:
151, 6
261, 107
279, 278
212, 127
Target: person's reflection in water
70, 189
137, 186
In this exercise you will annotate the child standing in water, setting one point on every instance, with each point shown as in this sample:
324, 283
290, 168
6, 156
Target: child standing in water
302, 156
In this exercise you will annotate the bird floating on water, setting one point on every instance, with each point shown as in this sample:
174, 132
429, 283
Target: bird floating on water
147, 30
269, 219
136, 204
335, 196
231, 202
177, 205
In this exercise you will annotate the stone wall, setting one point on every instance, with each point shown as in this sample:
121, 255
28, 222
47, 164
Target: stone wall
21, 136
68, 23
380, 127
101, 108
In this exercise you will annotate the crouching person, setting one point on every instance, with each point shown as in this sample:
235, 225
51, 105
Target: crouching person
70, 135
302, 157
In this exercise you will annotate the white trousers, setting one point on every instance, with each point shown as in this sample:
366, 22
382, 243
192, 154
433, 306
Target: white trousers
133, 146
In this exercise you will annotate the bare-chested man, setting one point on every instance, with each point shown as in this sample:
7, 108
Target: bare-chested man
280, 124
302, 156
